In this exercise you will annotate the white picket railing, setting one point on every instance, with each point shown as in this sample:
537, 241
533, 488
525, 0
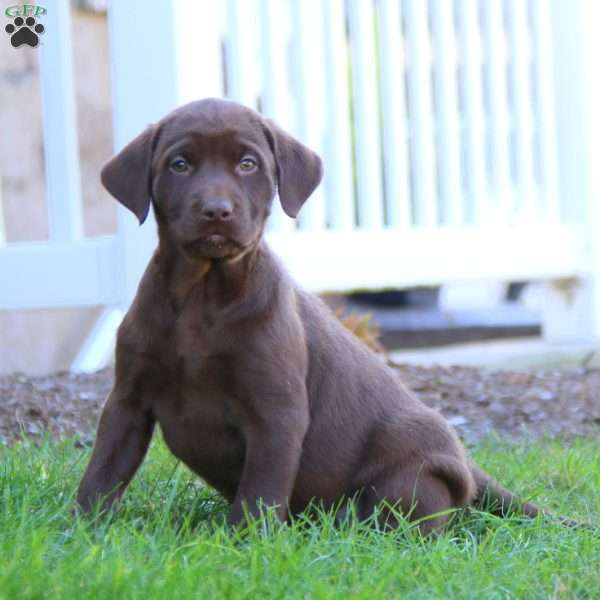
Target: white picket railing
448, 128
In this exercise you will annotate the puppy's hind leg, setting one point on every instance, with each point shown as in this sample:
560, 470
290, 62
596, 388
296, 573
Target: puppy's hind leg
424, 491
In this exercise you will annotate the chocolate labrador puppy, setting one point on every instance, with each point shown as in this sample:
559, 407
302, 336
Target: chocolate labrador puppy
256, 386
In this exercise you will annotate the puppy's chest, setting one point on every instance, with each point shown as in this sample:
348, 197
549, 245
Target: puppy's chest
197, 406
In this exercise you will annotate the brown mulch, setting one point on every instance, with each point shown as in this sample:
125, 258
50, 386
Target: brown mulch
66, 404
559, 402
477, 402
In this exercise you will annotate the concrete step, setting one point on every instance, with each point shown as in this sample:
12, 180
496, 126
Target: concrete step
519, 354
426, 326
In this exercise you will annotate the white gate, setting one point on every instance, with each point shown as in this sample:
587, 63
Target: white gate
457, 136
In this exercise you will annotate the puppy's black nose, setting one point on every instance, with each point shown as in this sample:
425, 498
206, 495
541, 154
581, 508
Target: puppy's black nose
217, 209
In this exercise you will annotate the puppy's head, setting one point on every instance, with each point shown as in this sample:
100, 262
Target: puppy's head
210, 169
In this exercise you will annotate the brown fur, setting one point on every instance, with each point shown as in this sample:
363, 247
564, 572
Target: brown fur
256, 386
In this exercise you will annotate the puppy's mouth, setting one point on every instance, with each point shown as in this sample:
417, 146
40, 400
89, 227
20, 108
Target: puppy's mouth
214, 245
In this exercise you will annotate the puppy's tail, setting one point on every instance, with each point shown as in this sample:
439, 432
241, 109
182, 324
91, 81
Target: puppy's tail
497, 500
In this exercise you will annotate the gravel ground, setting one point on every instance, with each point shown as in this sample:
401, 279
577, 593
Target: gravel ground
477, 402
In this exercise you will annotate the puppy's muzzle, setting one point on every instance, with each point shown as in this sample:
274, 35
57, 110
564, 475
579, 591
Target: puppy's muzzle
216, 209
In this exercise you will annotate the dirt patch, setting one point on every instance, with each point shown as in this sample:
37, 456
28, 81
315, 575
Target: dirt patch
477, 402
65, 404
561, 402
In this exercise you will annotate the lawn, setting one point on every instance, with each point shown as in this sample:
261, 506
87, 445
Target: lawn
169, 540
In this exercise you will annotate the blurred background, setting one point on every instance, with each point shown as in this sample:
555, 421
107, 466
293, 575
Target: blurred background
460, 204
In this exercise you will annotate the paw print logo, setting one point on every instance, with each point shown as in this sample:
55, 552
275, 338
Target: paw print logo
24, 32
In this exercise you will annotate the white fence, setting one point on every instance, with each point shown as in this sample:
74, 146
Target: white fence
458, 138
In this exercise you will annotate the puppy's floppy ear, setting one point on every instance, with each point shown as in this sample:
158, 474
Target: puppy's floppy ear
127, 176
299, 169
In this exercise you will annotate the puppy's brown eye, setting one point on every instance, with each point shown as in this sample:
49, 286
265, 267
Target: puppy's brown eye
179, 165
247, 164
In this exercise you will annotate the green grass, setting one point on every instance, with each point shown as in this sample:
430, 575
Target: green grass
169, 540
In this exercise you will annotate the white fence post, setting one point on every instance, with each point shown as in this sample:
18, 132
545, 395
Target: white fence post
420, 109
277, 101
472, 110
198, 54
361, 20
338, 171
309, 77
446, 103
520, 87
572, 307
60, 127
393, 108
495, 48
242, 51
545, 110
